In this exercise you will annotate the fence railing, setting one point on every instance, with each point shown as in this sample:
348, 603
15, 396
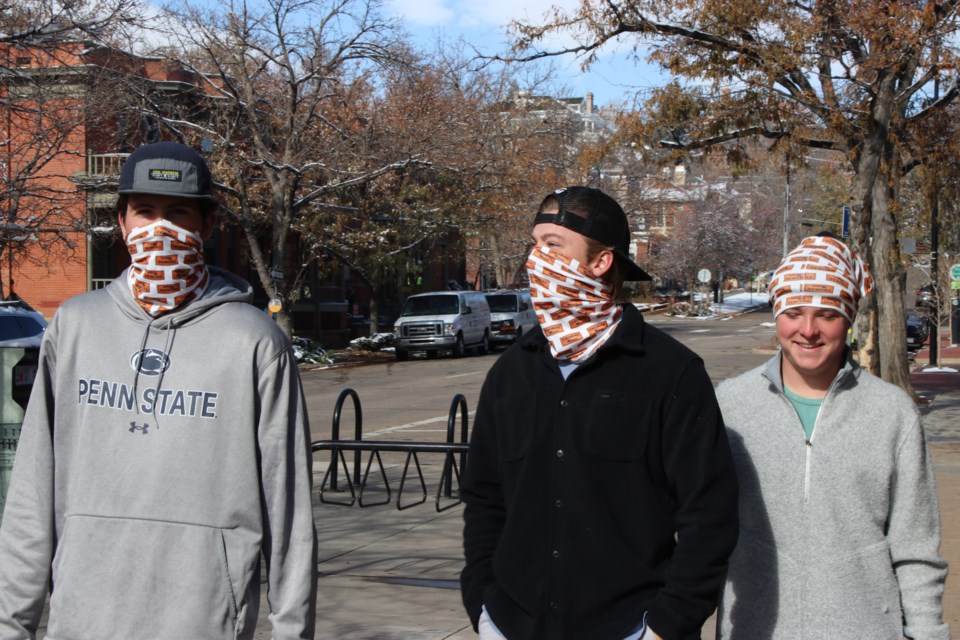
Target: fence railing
356, 486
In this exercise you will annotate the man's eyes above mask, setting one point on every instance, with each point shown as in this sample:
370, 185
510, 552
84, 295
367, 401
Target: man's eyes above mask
150, 211
547, 243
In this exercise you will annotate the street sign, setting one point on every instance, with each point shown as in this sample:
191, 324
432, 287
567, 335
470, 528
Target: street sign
845, 227
703, 275
955, 272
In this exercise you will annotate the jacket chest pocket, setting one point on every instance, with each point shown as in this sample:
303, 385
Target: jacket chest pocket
619, 425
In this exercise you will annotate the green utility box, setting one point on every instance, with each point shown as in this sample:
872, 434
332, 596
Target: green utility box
18, 369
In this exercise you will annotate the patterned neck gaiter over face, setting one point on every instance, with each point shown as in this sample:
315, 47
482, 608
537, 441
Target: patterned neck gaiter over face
576, 312
167, 269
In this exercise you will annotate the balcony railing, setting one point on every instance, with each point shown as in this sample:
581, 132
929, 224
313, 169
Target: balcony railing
105, 164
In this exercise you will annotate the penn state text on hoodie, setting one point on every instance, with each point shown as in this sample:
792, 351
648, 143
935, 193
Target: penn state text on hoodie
159, 457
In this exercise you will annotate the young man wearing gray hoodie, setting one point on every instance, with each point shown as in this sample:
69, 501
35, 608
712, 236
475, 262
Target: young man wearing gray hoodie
165, 448
839, 525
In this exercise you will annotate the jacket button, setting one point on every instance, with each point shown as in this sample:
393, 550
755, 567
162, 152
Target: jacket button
559, 453
554, 606
564, 403
556, 554
558, 504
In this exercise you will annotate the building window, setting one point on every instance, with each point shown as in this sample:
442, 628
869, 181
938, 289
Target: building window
661, 216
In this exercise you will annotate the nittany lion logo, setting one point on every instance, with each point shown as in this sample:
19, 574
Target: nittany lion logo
150, 362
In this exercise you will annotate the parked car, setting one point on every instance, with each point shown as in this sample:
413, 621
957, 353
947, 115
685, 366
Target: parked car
443, 321
20, 326
926, 297
21, 331
918, 331
917, 328
511, 314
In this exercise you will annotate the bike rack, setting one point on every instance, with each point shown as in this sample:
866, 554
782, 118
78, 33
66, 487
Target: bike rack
451, 467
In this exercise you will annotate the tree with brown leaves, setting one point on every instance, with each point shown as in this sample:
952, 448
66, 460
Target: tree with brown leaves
848, 77
288, 88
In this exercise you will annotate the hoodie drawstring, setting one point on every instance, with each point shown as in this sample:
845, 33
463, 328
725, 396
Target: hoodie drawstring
170, 331
136, 371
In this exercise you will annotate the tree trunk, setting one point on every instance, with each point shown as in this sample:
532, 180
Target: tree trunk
881, 336
374, 319
882, 339
282, 217
285, 322
889, 277
274, 289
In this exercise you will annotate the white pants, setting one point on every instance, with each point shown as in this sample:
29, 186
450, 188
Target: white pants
489, 631
486, 628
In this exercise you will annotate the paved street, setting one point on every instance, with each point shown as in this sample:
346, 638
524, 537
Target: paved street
389, 575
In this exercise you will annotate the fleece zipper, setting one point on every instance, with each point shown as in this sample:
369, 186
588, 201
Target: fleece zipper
808, 449
808, 445
808, 442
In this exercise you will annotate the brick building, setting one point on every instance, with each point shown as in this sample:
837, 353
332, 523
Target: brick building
69, 132
65, 146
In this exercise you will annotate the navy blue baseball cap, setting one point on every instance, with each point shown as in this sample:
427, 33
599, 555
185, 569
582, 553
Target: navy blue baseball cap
167, 169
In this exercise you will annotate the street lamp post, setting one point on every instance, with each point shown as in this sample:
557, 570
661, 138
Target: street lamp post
786, 211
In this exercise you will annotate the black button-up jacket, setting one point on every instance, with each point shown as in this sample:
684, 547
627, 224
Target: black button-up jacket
594, 500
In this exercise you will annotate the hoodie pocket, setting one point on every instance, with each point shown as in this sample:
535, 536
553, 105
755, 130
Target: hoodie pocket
857, 595
123, 578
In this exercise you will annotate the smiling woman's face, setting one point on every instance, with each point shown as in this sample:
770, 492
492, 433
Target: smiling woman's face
813, 341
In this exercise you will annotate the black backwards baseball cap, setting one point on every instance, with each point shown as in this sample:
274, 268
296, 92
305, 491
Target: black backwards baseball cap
592, 213
167, 169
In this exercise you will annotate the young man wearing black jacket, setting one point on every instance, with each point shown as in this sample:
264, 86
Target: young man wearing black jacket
601, 499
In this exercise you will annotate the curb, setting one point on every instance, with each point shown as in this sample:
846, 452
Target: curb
744, 311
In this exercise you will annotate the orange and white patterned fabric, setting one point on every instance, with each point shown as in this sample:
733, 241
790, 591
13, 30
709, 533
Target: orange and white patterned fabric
821, 272
167, 269
576, 312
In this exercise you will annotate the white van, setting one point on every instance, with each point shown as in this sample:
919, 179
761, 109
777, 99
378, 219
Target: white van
443, 321
511, 314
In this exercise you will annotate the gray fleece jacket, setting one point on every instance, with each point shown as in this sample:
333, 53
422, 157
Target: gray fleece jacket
839, 536
158, 459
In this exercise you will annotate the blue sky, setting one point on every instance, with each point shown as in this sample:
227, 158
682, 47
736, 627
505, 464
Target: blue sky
613, 79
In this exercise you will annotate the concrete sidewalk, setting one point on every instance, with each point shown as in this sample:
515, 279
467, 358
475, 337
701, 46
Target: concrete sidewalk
392, 575
939, 390
388, 574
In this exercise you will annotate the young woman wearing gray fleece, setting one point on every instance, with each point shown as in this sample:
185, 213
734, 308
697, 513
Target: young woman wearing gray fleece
839, 524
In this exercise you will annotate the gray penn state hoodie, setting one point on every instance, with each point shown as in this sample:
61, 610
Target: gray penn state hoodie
158, 459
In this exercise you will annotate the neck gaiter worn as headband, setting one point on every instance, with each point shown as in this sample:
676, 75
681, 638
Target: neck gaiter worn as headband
576, 312
821, 272
167, 269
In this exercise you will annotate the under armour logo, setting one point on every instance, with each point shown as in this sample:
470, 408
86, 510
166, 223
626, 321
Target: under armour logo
142, 428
